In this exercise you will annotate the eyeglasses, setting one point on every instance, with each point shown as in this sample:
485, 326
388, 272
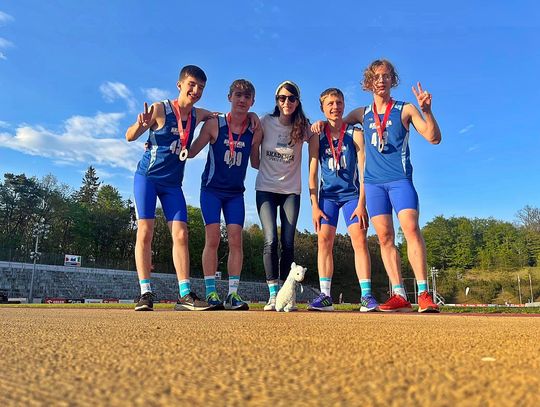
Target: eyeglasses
283, 98
383, 77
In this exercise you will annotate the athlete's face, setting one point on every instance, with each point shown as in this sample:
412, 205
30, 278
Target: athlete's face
333, 106
241, 100
382, 82
286, 102
191, 89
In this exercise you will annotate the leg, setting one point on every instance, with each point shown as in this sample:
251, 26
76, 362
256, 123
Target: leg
267, 209
358, 236
416, 248
143, 248
384, 227
211, 211
236, 252
180, 251
289, 209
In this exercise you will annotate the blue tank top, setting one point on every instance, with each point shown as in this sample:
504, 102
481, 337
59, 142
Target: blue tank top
343, 184
219, 176
393, 163
160, 161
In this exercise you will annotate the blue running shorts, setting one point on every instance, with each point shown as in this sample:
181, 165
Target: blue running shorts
212, 203
331, 209
381, 198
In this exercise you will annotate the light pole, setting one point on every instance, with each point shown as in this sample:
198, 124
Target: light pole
519, 289
40, 229
530, 286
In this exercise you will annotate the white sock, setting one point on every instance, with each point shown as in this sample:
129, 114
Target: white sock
325, 284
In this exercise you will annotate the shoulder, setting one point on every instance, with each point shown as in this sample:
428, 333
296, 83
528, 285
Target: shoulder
210, 125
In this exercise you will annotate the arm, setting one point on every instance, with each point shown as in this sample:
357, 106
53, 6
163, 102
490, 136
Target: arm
427, 126
145, 121
360, 210
203, 115
316, 212
207, 135
255, 155
355, 117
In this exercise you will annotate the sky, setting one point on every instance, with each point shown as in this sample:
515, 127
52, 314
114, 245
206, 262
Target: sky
74, 75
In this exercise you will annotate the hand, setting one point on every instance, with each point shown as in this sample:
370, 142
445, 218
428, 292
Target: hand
423, 98
254, 120
362, 215
317, 127
317, 214
145, 117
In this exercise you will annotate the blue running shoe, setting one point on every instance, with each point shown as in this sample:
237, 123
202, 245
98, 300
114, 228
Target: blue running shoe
322, 303
214, 301
368, 303
235, 302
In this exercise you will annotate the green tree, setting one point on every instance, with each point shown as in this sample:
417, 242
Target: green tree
88, 192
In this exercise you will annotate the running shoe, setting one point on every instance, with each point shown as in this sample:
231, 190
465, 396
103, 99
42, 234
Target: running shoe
271, 304
213, 300
145, 302
190, 302
426, 304
396, 303
368, 303
234, 302
322, 303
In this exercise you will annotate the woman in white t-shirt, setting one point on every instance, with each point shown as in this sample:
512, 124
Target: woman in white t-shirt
279, 182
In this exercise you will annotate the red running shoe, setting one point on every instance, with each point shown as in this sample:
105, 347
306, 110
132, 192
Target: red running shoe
396, 303
426, 304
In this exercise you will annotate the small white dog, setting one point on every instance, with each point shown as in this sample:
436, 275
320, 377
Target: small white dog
286, 297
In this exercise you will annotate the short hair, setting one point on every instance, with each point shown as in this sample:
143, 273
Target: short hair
331, 92
192, 70
243, 85
369, 74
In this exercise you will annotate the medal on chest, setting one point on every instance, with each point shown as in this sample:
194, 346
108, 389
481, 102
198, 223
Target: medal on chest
183, 134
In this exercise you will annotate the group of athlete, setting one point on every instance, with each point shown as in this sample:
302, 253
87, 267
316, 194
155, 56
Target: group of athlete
365, 171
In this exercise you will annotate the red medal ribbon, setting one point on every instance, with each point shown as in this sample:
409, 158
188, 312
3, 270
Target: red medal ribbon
335, 154
232, 143
183, 134
381, 127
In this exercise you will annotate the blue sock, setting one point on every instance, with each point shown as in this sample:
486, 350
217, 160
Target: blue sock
145, 286
325, 284
422, 286
210, 284
184, 286
234, 282
399, 290
365, 286
273, 287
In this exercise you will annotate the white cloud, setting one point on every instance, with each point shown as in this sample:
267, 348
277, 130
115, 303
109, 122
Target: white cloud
5, 43
3, 56
466, 129
473, 148
4, 124
97, 140
112, 91
155, 94
5, 17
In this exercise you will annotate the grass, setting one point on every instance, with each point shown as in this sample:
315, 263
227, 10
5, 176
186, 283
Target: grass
257, 306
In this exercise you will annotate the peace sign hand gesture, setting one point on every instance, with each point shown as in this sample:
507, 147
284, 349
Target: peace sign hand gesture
423, 98
145, 117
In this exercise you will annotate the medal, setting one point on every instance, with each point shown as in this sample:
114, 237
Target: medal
336, 155
182, 134
232, 143
381, 127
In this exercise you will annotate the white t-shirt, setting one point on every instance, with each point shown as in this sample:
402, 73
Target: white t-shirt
280, 168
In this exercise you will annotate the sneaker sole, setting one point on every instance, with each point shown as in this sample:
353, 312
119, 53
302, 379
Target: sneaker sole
269, 309
406, 309
429, 310
324, 309
217, 307
243, 307
183, 307
144, 308
365, 309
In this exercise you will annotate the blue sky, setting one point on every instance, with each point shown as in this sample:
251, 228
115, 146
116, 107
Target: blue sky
73, 76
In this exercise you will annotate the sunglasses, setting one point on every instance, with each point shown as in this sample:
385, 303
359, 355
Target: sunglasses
283, 98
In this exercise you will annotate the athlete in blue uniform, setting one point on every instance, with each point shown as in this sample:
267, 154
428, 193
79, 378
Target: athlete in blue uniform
159, 175
339, 151
233, 143
388, 176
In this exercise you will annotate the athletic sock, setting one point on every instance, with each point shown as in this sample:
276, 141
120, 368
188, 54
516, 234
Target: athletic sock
399, 290
422, 286
325, 284
210, 284
146, 287
234, 282
184, 286
273, 287
365, 286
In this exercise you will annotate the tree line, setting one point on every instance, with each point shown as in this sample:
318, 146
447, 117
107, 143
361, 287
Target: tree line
98, 224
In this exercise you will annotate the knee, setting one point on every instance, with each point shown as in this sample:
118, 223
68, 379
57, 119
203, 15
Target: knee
180, 237
144, 236
325, 242
211, 243
270, 245
235, 243
386, 240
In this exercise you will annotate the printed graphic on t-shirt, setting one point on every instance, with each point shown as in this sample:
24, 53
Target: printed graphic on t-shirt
283, 152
